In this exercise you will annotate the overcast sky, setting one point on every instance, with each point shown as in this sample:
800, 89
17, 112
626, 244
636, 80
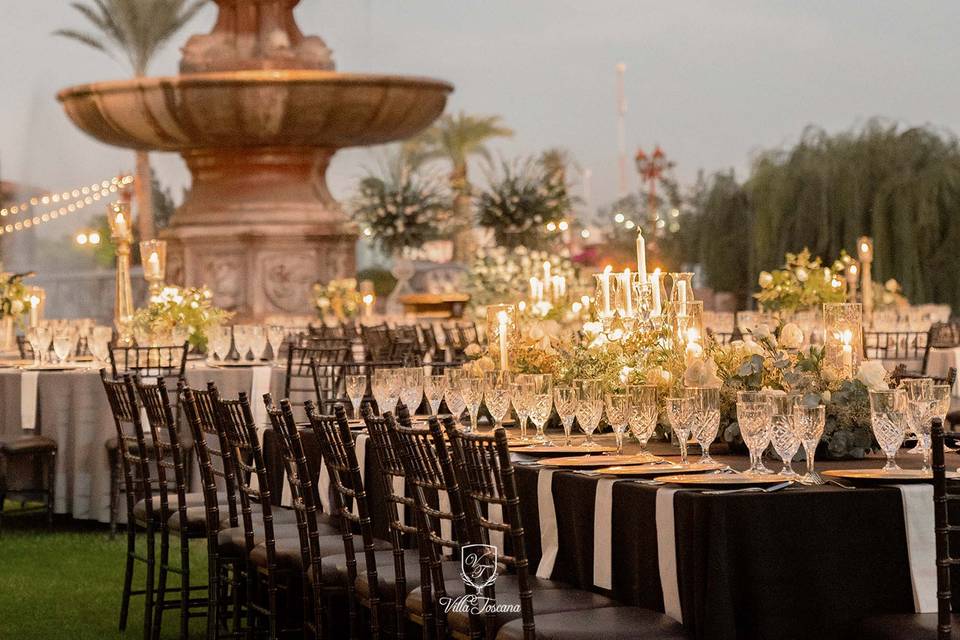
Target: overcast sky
712, 81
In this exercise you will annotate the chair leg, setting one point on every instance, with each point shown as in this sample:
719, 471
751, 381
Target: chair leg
149, 596
161, 583
184, 587
115, 494
51, 487
128, 576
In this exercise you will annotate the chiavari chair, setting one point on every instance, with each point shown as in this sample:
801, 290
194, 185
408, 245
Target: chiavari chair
909, 348
376, 341
431, 342
314, 373
945, 335
721, 337
27, 471
482, 463
900, 373
454, 342
177, 518
469, 334
134, 455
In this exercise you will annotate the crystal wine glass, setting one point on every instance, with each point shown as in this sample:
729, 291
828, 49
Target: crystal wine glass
356, 387
64, 343
618, 415
705, 419
783, 432
680, 415
643, 413
915, 388
99, 342
541, 404
258, 341
276, 334
565, 400
888, 415
934, 401
810, 423
435, 386
242, 340
589, 407
380, 387
452, 395
755, 417
411, 387
219, 341
496, 395
471, 390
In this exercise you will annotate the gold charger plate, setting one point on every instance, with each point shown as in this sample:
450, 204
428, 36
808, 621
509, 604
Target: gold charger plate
60, 366
559, 450
725, 480
657, 469
880, 476
600, 461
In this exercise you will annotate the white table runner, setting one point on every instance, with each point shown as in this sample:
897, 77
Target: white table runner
29, 381
603, 534
667, 554
921, 545
549, 542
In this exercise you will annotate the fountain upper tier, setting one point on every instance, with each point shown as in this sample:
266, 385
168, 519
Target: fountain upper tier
304, 108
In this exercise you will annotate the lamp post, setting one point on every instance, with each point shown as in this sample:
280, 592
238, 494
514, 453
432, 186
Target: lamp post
121, 233
865, 254
153, 254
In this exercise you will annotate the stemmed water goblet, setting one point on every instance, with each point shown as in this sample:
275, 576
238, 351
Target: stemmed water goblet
589, 407
411, 387
680, 415
452, 394
242, 340
916, 389
276, 334
258, 341
810, 422
434, 386
521, 395
64, 342
618, 415
381, 385
783, 429
755, 417
471, 390
39, 338
98, 342
541, 404
219, 341
705, 420
356, 385
565, 400
888, 415
496, 395
643, 413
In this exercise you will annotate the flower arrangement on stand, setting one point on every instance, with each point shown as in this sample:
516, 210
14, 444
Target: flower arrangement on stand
177, 312
803, 283
14, 297
338, 299
502, 273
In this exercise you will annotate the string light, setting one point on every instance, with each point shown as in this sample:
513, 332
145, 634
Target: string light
83, 198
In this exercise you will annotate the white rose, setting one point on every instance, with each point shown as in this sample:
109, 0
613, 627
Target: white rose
16, 307
592, 328
752, 348
891, 285
802, 274
762, 331
765, 279
825, 396
873, 375
472, 350
701, 372
791, 336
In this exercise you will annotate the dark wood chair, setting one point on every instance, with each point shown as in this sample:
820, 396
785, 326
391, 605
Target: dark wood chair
134, 457
908, 348
482, 464
314, 373
27, 467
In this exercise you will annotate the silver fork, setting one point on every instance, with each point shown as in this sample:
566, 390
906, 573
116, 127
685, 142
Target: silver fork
770, 489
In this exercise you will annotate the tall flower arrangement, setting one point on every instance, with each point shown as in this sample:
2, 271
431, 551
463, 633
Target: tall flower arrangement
338, 299
502, 273
188, 310
803, 282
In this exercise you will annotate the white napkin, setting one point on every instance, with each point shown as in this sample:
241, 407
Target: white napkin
259, 385
603, 534
549, 541
495, 514
667, 554
399, 487
28, 399
921, 546
360, 445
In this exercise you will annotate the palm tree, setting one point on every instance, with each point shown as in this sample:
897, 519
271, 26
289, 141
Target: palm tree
134, 30
456, 138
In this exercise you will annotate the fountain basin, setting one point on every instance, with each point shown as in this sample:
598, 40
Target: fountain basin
301, 108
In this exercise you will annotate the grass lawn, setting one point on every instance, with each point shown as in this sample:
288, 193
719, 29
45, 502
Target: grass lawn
67, 582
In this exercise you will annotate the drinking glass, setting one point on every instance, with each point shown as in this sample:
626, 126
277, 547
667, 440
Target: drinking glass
471, 390
643, 412
521, 395
783, 432
382, 384
395, 384
356, 387
435, 386
98, 343
705, 420
40, 339
242, 340
275, 336
258, 340
64, 343
452, 394
565, 399
496, 395
933, 402
219, 341
541, 404
411, 387
888, 415
810, 423
618, 415
589, 407
755, 417
680, 415
916, 389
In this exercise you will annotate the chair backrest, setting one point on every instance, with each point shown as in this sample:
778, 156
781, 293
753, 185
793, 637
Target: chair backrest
901, 373
168, 453
149, 362
945, 335
468, 333
942, 497
426, 460
314, 373
350, 504
902, 347
131, 448
483, 465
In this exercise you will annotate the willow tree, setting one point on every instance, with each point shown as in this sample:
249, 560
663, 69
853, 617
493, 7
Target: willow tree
134, 31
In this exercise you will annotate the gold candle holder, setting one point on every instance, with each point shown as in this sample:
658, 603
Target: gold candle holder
153, 256
38, 301
842, 338
121, 232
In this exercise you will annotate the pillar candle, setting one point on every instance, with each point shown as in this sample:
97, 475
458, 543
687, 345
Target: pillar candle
641, 257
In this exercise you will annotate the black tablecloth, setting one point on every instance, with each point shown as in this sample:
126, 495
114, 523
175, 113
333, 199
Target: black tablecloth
800, 563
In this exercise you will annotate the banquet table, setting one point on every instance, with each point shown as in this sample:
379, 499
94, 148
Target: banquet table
939, 362
803, 562
72, 408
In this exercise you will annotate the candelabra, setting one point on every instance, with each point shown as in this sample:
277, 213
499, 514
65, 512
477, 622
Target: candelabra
121, 234
153, 254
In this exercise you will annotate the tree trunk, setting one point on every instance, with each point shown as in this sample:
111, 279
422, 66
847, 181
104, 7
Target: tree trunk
143, 191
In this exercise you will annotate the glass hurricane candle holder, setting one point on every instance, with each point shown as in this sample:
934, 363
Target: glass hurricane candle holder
843, 338
686, 323
681, 289
153, 257
502, 327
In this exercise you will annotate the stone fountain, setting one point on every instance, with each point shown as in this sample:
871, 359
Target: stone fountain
257, 113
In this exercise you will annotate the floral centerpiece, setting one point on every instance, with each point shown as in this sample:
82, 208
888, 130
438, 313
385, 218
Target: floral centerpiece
888, 295
803, 283
502, 273
189, 311
14, 298
338, 299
